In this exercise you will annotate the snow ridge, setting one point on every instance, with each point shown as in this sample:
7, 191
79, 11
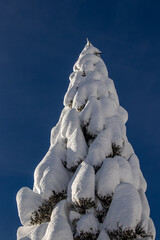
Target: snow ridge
89, 185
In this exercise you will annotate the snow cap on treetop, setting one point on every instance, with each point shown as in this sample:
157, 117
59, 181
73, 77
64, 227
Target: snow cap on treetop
88, 42
89, 48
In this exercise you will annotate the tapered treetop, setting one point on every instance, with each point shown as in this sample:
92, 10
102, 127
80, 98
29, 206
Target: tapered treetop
89, 185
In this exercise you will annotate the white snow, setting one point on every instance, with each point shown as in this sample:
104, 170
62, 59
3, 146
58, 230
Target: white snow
139, 181
73, 215
89, 89
58, 227
127, 150
70, 122
117, 130
89, 48
151, 228
24, 232
50, 175
88, 223
143, 183
101, 68
27, 202
148, 238
145, 205
125, 208
134, 163
76, 79
125, 170
103, 235
55, 132
144, 225
91, 107
99, 206
107, 178
83, 185
104, 109
87, 66
32, 232
88, 58
76, 148
101, 147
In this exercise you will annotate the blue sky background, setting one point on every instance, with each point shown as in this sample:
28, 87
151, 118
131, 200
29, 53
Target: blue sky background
39, 43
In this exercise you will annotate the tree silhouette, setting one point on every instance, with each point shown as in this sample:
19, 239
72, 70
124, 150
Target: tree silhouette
89, 185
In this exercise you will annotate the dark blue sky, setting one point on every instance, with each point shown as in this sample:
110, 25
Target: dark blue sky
39, 43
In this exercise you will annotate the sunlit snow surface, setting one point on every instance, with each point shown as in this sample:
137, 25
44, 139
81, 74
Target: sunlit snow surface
89, 160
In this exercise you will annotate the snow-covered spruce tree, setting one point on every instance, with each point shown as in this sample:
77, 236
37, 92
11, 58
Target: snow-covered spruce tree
89, 185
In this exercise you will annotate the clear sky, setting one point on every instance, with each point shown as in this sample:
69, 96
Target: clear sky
39, 43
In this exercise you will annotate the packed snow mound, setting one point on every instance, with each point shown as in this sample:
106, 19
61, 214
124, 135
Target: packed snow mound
55, 132
58, 227
134, 163
151, 228
107, 178
83, 186
125, 170
148, 228
49, 231
98, 207
89, 224
146, 208
50, 175
103, 235
125, 209
70, 122
78, 81
27, 202
104, 109
90, 78
143, 184
106, 143
127, 150
89, 48
74, 216
76, 149
32, 232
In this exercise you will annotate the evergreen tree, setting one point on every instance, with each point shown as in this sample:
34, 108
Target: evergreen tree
89, 185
